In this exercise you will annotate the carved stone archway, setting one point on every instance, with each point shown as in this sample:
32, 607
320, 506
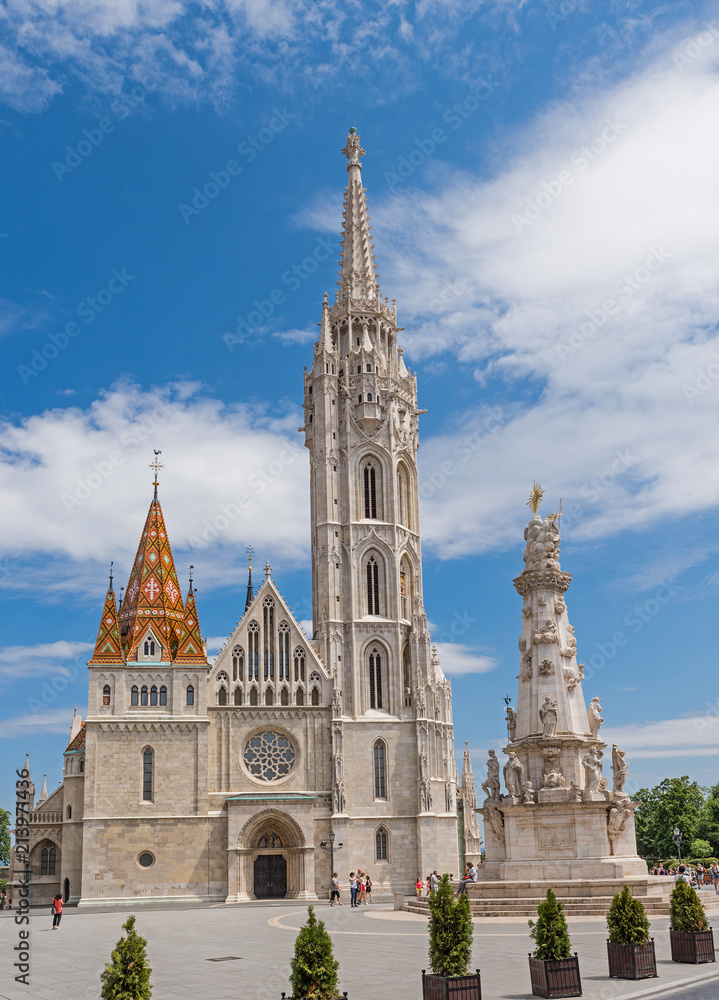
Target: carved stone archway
270, 833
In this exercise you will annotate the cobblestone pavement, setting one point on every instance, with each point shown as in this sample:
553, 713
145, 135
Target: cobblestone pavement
381, 954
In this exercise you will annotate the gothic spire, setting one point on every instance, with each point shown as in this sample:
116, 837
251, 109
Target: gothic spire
358, 274
250, 592
153, 592
108, 648
191, 648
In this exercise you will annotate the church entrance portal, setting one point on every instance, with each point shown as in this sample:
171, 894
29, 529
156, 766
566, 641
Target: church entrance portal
270, 876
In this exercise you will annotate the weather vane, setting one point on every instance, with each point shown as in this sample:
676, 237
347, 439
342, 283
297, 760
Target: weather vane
250, 550
535, 497
111, 565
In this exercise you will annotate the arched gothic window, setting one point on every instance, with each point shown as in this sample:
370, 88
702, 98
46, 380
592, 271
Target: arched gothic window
380, 852
106, 695
404, 514
269, 697
150, 647
284, 696
253, 696
315, 696
369, 476
375, 678
299, 664
69, 812
268, 618
163, 695
238, 696
372, 575
48, 860
143, 695
405, 590
378, 760
153, 695
253, 643
222, 696
147, 774
190, 695
284, 638
82, 765
407, 675
134, 695
238, 660
300, 697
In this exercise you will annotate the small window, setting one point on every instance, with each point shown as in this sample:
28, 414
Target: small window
369, 368
311, 418
106, 695
190, 695
147, 776
284, 697
69, 812
269, 697
153, 695
253, 696
300, 697
359, 369
222, 696
143, 696
381, 845
359, 398
134, 695
146, 860
310, 390
315, 696
369, 397
238, 696
82, 766
163, 695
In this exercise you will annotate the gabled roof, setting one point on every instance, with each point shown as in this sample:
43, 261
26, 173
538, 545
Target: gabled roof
108, 648
191, 648
254, 613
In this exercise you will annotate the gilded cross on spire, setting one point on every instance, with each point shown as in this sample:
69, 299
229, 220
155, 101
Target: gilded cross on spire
250, 550
156, 465
535, 496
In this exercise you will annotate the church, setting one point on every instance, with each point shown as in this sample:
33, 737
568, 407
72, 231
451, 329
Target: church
227, 782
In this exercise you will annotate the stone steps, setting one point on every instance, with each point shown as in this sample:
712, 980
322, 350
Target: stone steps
573, 906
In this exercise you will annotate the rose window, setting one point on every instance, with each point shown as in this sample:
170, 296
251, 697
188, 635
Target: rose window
269, 756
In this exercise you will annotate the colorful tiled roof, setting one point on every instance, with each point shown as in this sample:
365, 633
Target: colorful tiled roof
153, 592
108, 648
191, 648
78, 744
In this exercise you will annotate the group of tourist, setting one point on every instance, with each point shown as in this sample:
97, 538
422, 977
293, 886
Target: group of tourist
696, 877
430, 884
360, 889
5, 900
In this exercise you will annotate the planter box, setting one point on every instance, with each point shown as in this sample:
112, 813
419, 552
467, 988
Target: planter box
451, 987
632, 961
555, 977
284, 997
692, 946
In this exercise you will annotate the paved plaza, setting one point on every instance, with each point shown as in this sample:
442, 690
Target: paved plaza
381, 954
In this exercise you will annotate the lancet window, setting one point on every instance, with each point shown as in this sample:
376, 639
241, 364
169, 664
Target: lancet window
284, 651
369, 475
147, 774
372, 583
299, 657
238, 663
375, 678
268, 618
378, 762
253, 645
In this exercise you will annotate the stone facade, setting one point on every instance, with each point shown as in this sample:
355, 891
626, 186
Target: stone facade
197, 782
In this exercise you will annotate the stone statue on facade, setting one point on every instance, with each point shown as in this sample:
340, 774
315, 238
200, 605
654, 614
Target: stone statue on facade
493, 815
511, 722
616, 821
491, 785
594, 716
592, 764
338, 796
542, 537
336, 703
546, 634
514, 776
552, 776
548, 716
620, 770
528, 798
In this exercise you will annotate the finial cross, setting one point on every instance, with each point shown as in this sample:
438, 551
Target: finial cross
250, 550
156, 464
268, 570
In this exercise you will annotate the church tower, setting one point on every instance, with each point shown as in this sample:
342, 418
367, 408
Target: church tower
393, 744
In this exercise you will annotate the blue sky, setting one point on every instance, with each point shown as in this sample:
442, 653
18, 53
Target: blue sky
543, 180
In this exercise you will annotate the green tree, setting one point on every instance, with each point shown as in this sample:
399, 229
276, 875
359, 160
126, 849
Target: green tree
686, 912
708, 825
550, 932
450, 931
627, 919
700, 848
127, 975
673, 802
4, 837
314, 968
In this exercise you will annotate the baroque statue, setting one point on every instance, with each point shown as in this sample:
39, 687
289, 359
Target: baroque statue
548, 716
620, 769
491, 785
514, 775
594, 716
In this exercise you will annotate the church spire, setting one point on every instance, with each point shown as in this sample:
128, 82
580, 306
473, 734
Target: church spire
250, 592
358, 274
191, 648
153, 592
108, 648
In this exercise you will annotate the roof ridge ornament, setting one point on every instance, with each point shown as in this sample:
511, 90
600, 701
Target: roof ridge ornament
156, 465
353, 150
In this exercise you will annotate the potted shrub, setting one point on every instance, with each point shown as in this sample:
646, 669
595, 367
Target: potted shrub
553, 970
127, 975
450, 947
630, 950
691, 937
314, 968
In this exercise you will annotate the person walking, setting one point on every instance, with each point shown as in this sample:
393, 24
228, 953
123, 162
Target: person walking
433, 881
56, 910
353, 889
427, 884
362, 887
335, 891
714, 872
368, 888
9, 903
419, 886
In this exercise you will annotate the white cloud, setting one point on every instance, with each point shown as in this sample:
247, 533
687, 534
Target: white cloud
43, 658
693, 736
74, 486
602, 310
56, 720
457, 659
